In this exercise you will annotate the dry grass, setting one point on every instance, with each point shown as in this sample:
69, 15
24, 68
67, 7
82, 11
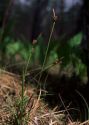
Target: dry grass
39, 112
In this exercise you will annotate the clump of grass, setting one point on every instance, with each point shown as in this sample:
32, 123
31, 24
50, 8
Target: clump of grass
21, 117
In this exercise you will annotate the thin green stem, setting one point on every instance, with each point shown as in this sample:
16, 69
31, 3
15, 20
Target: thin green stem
47, 50
24, 74
23, 80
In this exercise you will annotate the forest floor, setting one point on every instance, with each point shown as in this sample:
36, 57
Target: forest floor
37, 111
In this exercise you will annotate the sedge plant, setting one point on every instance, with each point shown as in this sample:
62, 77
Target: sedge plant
20, 116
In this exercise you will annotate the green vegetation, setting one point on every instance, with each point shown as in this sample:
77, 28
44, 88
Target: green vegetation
17, 52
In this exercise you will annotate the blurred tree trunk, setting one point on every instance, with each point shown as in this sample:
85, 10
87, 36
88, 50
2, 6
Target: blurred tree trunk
85, 41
